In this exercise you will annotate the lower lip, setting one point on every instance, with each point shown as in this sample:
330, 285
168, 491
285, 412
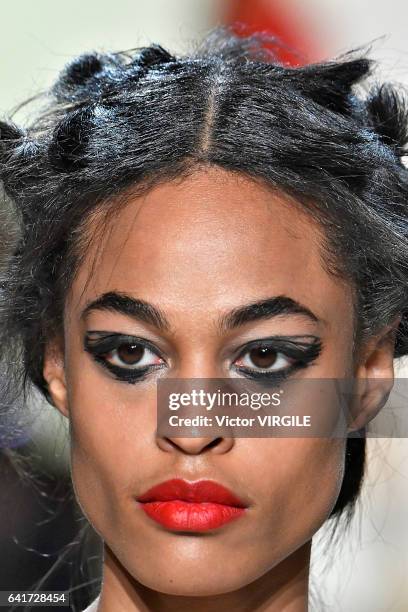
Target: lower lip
191, 516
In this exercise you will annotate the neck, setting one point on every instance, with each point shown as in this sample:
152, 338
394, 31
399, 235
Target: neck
282, 589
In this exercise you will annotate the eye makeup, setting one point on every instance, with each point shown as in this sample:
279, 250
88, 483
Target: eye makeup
123, 355
299, 352
132, 359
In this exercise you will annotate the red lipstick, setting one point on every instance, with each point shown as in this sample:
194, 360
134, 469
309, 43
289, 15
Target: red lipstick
191, 506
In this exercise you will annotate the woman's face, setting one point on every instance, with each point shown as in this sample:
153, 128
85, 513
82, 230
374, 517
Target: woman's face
196, 250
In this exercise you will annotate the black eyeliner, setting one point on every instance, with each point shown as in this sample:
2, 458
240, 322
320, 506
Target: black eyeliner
100, 343
130, 376
304, 354
291, 346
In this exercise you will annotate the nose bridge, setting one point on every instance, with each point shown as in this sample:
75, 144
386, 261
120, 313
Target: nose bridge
199, 360
197, 341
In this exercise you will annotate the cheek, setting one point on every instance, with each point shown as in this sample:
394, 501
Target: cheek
112, 427
298, 489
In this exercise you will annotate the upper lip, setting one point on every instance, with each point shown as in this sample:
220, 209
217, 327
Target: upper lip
197, 491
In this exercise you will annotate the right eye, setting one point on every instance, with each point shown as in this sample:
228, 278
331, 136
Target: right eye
265, 359
131, 356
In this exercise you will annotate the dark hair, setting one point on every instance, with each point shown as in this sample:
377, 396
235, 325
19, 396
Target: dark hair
119, 121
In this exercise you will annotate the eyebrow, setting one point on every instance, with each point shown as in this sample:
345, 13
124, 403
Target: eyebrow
265, 309
148, 313
129, 306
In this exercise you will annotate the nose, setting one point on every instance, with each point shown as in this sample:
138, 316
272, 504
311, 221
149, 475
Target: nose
196, 366
196, 445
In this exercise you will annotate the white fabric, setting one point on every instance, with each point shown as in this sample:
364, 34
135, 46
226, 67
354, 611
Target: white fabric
93, 607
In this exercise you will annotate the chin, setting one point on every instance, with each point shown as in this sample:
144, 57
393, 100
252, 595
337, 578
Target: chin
180, 583
184, 577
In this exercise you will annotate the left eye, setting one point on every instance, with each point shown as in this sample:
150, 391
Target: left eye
264, 358
132, 356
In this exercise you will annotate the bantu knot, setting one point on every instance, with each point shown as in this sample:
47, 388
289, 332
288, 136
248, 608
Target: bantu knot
10, 137
330, 85
86, 77
388, 112
91, 75
81, 69
9, 131
70, 138
152, 56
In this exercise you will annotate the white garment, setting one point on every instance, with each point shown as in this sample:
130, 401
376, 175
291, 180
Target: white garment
93, 607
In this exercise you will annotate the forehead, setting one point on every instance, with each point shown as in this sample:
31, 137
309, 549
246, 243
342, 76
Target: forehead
211, 241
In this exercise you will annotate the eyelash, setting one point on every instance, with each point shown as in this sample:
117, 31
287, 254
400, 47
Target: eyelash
303, 355
100, 345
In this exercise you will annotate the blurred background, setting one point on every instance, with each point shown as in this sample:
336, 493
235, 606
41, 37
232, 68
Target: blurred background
362, 569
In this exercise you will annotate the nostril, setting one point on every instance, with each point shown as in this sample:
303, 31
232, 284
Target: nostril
194, 445
214, 443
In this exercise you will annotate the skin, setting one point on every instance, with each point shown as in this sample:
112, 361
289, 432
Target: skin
197, 248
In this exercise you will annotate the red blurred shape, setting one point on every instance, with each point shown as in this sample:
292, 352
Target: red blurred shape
296, 44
